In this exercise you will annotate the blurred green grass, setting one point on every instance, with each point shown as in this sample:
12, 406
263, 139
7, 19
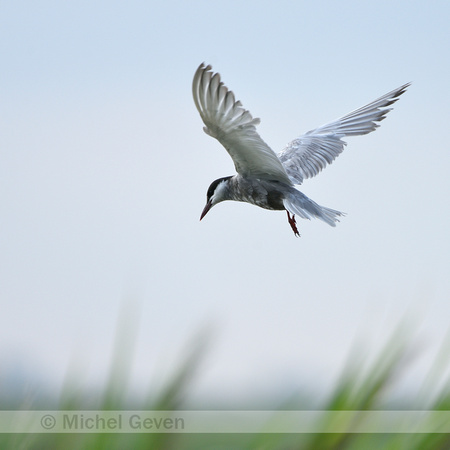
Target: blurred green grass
363, 386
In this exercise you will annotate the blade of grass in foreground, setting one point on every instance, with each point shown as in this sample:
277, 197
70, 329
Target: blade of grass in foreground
362, 387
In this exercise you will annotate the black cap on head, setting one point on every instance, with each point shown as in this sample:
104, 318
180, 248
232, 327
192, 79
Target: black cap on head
213, 186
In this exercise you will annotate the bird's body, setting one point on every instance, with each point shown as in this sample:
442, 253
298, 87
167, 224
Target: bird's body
263, 178
266, 194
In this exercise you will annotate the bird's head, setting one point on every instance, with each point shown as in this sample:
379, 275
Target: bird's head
217, 192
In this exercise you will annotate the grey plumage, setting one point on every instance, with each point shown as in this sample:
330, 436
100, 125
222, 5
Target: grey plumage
263, 178
307, 155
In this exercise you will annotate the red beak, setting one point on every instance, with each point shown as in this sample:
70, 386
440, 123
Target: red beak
206, 209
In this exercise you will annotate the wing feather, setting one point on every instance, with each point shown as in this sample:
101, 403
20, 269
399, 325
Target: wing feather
234, 127
307, 155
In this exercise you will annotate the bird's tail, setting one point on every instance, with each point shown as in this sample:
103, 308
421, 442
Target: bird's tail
298, 203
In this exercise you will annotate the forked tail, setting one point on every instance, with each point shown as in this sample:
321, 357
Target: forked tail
299, 204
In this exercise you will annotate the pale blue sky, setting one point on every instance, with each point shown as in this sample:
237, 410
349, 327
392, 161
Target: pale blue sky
104, 170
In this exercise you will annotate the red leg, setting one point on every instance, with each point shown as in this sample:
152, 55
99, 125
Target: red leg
293, 223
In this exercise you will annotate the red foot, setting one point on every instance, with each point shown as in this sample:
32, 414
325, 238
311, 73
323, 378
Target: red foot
293, 224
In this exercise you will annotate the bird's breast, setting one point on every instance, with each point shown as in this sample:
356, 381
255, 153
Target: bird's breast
262, 193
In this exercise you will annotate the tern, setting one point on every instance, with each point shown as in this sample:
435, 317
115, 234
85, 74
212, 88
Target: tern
267, 179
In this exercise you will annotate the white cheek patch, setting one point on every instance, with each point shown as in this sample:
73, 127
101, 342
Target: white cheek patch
219, 193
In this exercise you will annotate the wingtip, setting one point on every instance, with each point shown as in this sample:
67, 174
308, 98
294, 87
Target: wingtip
403, 88
204, 67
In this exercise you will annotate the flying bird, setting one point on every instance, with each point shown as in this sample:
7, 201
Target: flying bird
266, 179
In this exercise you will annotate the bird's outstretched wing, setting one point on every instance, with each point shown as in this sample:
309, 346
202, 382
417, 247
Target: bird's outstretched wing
234, 127
307, 155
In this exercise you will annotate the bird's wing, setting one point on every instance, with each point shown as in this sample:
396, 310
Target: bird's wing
307, 155
234, 127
